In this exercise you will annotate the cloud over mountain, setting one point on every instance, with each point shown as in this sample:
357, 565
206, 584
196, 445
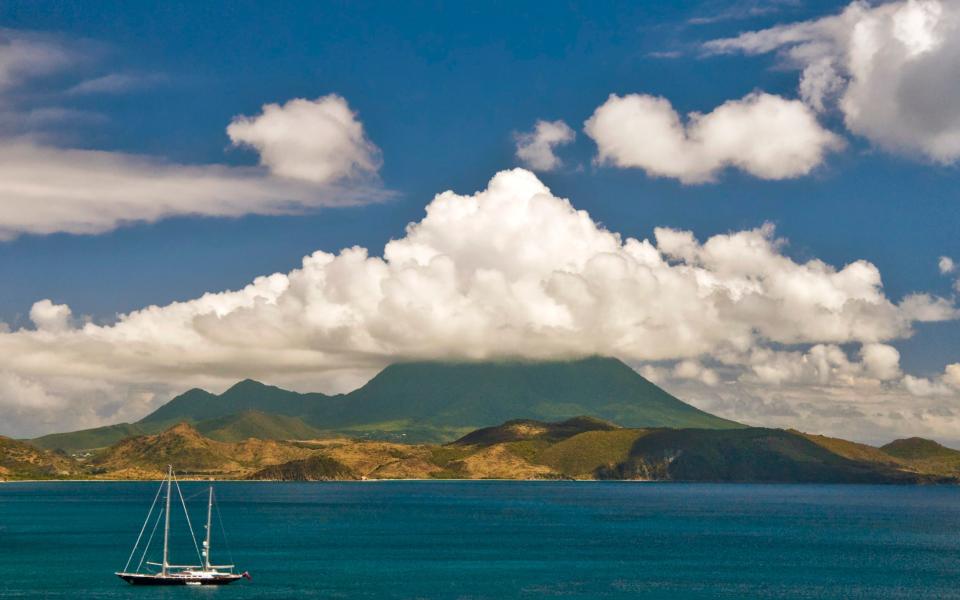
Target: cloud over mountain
509, 271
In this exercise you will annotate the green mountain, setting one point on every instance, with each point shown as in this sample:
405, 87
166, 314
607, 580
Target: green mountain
85, 439
435, 398
432, 402
255, 424
198, 405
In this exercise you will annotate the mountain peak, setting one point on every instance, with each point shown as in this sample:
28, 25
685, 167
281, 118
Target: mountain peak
246, 385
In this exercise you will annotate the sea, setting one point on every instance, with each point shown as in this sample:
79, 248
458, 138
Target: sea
494, 540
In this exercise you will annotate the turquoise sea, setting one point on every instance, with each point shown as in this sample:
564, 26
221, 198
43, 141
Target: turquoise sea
501, 540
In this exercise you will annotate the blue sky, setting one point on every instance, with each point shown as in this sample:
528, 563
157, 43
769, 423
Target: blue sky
441, 90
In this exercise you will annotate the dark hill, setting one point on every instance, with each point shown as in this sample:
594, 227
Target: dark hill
925, 455
747, 455
918, 448
199, 405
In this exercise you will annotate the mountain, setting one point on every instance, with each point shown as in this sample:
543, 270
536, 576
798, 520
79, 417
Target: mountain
20, 460
255, 424
199, 405
429, 402
459, 395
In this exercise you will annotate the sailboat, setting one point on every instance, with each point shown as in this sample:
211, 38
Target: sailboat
205, 573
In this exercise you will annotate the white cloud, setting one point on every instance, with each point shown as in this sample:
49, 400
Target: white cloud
320, 141
51, 317
946, 266
890, 69
310, 149
765, 135
951, 375
44, 189
535, 148
509, 271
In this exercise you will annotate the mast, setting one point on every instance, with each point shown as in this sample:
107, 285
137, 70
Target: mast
166, 525
206, 542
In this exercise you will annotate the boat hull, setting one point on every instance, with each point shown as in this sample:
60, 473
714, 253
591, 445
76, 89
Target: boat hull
145, 579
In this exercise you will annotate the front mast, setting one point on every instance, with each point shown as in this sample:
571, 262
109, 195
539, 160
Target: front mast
206, 542
166, 525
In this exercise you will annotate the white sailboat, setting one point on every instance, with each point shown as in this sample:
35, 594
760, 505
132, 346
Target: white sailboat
170, 574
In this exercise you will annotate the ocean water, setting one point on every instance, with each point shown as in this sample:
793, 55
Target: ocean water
500, 540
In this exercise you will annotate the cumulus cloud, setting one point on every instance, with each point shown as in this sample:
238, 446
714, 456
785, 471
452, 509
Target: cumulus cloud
765, 135
319, 141
946, 266
535, 149
47, 316
510, 271
313, 152
890, 69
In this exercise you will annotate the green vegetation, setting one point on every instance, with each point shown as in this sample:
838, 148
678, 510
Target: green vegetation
99, 437
582, 455
255, 424
315, 468
427, 402
754, 454
925, 455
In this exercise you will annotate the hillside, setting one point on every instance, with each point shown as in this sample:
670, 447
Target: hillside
926, 455
747, 455
84, 439
19, 460
421, 402
576, 448
255, 424
191, 453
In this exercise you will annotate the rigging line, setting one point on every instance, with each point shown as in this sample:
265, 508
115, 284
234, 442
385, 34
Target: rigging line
187, 515
147, 547
223, 531
142, 529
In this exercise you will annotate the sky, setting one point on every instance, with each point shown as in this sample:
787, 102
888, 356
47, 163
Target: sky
754, 204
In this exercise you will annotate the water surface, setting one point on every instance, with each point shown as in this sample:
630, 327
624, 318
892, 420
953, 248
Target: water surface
500, 540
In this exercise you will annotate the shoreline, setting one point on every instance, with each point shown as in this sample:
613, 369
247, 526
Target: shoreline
491, 480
